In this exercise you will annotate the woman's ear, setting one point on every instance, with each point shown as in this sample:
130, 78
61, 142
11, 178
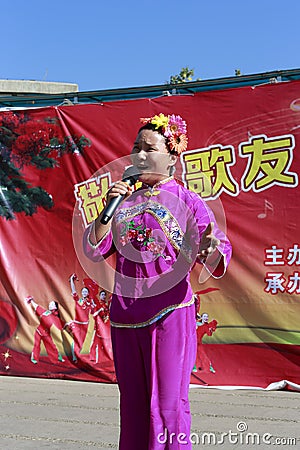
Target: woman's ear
173, 160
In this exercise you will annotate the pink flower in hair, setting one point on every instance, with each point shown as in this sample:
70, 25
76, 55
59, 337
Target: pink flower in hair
176, 126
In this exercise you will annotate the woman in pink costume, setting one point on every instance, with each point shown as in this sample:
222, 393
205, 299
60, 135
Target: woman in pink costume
157, 233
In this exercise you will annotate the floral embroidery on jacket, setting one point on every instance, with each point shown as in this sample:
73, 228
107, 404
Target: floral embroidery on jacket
166, 220
138, 231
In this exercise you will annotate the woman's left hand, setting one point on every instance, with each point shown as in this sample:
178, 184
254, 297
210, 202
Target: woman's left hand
208, 243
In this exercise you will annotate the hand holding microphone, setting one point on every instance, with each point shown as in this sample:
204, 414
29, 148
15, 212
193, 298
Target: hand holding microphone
118, 192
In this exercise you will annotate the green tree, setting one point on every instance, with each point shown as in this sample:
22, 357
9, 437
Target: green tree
185, 75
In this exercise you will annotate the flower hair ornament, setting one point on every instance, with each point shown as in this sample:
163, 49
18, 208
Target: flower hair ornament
173, 129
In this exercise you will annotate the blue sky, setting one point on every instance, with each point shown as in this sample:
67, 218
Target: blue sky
115, 44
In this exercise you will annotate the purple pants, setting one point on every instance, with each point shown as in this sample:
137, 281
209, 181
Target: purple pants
153, 367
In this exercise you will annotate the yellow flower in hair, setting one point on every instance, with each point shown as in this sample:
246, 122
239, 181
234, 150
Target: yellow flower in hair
160, 121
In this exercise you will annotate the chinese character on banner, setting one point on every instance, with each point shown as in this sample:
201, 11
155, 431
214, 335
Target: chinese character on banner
293, 256
207, 171
274, 281
91, 197
269, 160
274, 256
293, 286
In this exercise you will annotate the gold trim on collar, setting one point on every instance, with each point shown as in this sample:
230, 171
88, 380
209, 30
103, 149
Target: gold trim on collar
151, 193
159, 183
166, 180
152, 189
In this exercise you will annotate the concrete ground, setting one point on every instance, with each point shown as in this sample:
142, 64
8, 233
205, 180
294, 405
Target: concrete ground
74, 415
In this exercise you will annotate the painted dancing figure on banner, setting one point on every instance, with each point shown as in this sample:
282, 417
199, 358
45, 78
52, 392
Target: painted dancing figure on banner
157, 233
84, 306
101, 342
48, 318
203, 363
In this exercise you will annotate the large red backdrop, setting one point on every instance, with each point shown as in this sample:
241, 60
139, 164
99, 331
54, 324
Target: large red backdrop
243, 158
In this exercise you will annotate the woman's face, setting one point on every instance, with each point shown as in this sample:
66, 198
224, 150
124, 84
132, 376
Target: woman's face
204, 317
103, 295
85, 292
150, 155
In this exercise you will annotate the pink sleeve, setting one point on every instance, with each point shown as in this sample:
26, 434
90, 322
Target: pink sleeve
101, 250
217, 263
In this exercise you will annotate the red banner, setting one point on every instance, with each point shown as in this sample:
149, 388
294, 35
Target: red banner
242, 159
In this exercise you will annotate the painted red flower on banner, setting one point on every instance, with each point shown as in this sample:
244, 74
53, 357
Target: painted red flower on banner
25, 141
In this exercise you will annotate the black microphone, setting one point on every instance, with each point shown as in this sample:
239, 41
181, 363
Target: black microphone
130, 176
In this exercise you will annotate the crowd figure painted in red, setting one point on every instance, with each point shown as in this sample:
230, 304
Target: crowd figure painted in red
88, 306
204, 327
48, 318
84, 306
101, 342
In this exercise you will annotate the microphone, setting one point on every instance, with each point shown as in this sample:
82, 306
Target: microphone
130, 176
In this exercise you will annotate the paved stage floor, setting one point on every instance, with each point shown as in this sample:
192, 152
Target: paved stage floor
73, 415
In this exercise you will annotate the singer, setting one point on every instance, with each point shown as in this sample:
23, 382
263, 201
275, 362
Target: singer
158, 233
